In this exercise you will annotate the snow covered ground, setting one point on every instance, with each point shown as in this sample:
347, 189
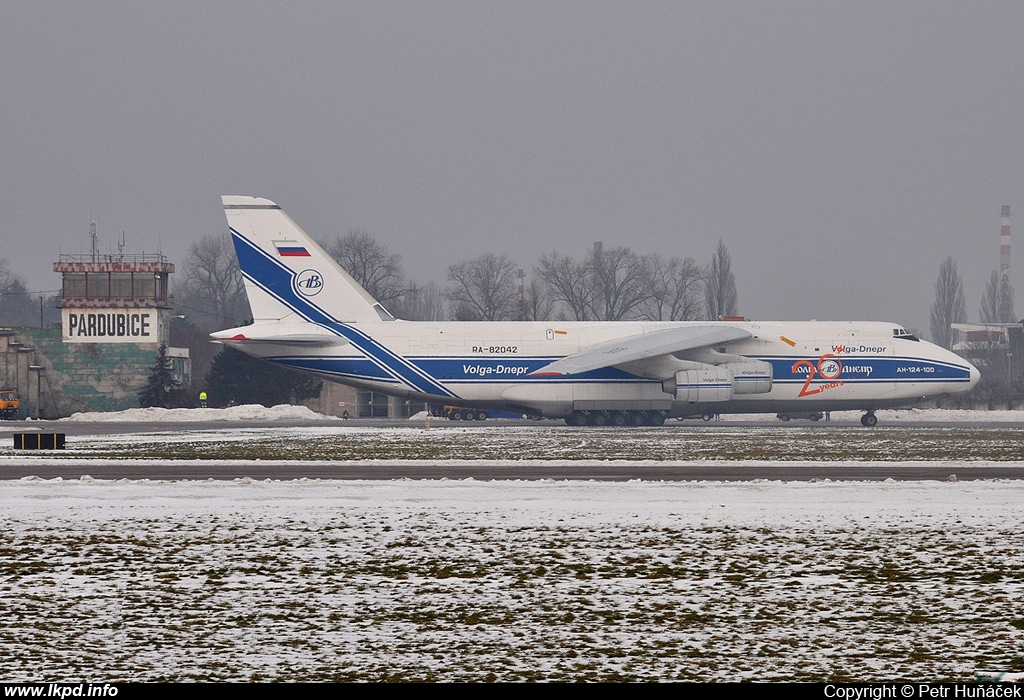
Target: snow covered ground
237, 413
310, 580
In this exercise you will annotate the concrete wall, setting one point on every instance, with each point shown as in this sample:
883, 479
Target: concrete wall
334, 400
55, 379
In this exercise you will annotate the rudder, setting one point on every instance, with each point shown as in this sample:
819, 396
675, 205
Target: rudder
286, 272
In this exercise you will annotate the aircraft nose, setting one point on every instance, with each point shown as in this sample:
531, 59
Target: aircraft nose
975, 374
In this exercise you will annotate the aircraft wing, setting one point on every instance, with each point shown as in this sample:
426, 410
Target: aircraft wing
643, 347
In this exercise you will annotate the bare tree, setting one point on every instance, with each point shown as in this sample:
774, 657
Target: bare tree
424, 303
615, 284
211, 294
949, 306
720, 286
997, 304
483, 289
619, 277
535, 301
673, 289
370, 264
16, 304
7, 276
572, 283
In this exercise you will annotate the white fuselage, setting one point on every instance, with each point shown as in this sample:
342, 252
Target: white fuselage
814, 366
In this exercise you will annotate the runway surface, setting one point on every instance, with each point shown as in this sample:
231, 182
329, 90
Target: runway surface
736, 450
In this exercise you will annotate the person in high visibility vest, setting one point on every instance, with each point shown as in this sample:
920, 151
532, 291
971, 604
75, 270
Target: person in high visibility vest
202, 399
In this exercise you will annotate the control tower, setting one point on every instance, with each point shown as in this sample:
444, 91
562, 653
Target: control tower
114, 298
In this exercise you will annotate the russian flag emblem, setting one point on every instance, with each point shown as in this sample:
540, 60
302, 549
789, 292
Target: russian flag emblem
291, 249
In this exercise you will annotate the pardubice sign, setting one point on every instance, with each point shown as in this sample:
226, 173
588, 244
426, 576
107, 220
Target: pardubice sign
110, 325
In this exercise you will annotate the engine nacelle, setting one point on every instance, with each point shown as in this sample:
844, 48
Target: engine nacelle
700, 385
720, 382
753, 377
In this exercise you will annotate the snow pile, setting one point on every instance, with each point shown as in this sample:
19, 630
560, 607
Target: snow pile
248, 412
285, 412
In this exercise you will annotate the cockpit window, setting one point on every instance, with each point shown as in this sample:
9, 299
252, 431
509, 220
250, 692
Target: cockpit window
904, 334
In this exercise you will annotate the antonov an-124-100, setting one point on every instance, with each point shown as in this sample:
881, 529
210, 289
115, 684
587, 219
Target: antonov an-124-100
310, 315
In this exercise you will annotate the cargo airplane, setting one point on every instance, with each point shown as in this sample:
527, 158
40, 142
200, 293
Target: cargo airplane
310, 315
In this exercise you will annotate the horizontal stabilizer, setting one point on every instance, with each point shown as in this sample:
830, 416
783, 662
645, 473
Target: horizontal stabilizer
280, 333
643, 347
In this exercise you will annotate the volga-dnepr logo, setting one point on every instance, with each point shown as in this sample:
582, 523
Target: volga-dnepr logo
308, 283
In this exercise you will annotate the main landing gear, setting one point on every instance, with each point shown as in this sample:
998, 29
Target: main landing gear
601, 418
869, 419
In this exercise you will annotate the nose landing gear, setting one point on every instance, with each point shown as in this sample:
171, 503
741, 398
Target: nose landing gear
869, 419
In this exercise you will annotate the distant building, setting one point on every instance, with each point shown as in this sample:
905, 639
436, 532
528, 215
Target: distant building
997, 349
115, 313
968, 337
114, 300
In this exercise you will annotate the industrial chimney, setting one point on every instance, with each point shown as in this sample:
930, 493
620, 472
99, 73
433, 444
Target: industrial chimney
1004, 245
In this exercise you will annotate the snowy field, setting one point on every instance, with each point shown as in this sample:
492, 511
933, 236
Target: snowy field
510, 580
237, 413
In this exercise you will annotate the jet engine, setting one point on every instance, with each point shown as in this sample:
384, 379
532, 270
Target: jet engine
751, 377
720, 382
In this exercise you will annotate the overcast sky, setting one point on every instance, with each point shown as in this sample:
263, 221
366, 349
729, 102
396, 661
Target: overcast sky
840, 150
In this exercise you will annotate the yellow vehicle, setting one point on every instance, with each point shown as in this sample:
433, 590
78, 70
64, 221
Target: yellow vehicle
9, 404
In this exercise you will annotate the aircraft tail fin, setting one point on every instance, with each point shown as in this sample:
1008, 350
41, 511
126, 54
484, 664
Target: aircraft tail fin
287, 274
